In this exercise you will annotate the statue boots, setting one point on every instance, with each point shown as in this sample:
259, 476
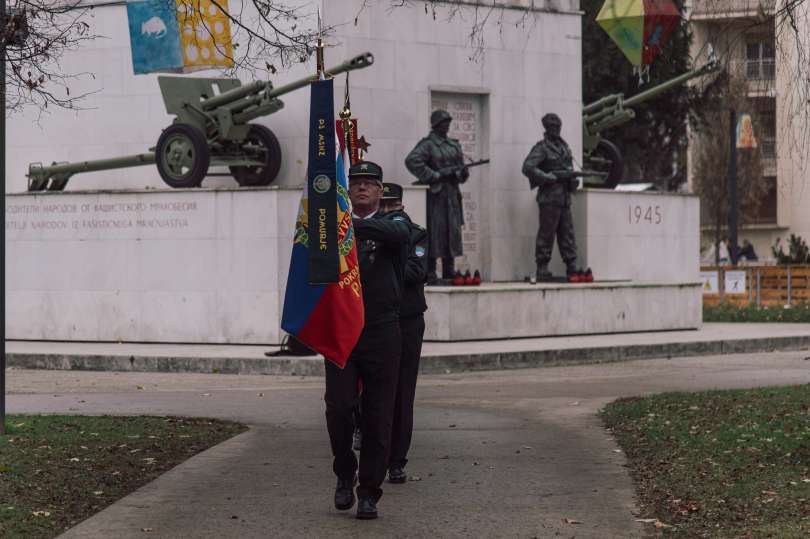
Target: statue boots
572, 273
543, 275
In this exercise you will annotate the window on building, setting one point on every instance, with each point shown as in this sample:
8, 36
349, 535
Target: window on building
760, 60
764, 211
767, 135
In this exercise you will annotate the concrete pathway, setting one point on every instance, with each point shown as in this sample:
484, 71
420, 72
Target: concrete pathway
437, 357
498, 454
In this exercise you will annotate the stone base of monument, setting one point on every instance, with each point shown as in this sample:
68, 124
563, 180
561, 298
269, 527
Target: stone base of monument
162, 265
515, 310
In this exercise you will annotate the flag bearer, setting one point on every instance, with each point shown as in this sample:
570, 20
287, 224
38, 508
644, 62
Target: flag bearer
382, 253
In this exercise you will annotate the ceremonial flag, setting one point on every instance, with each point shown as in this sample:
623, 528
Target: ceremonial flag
179, 36
326, 316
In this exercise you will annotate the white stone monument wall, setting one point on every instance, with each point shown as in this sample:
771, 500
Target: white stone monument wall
641, 237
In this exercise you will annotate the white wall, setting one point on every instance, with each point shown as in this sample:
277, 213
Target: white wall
526, 72
641, 237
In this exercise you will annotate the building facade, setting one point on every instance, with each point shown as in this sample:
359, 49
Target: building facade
773, 57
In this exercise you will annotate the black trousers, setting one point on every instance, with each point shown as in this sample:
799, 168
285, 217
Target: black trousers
448, 267
412, 329
555, 221
375, 360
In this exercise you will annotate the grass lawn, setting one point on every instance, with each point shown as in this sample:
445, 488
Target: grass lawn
58, 470
720, 464
730, 313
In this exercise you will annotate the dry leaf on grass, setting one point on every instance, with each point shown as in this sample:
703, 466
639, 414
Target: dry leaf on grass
572, 521
654, 521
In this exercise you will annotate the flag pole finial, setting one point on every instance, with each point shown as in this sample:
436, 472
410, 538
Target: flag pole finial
319, 48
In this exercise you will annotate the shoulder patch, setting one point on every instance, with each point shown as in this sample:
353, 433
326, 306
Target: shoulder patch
419, 251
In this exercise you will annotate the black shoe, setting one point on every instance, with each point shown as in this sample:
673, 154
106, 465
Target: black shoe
344, 494
366, 509
397, 475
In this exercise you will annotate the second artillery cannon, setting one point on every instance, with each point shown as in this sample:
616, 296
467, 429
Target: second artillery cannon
614, 110
211, 128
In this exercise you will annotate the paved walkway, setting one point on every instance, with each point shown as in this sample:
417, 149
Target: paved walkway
498, 454
438, 357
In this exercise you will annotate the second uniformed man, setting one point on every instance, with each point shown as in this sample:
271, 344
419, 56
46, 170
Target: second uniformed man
412, 328
438, 161
382, 248
553, 197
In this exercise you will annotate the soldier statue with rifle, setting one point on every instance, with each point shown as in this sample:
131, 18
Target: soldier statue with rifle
550, 169
438, 162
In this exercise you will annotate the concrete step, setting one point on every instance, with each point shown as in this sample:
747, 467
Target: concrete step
712, 339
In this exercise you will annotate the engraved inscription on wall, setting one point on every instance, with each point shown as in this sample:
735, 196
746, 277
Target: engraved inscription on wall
79, 215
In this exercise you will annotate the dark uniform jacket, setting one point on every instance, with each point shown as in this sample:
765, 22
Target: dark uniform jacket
548, 156
416, 269
382, 253
445, 215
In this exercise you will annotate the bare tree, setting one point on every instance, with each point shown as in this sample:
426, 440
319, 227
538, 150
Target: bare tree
712, 152
266, 32
788, 22
33, 37
269, 35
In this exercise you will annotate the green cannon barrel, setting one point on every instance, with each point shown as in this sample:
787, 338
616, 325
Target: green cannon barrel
39, 175
268, 92
266, 98
671, 83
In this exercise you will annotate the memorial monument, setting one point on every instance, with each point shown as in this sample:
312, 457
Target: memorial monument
120, 257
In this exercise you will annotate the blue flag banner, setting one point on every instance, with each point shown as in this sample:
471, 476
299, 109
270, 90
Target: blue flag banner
324, 262
154, 37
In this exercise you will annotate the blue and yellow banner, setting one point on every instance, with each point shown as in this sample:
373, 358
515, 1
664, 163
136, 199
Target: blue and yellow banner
179, 36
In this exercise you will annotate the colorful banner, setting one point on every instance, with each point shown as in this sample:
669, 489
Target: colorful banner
745, 132
326, 317
639, 27
179, 36
355, 153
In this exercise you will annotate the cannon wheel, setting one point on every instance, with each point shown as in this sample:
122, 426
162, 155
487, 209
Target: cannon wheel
606, 157
182, 156
261, 141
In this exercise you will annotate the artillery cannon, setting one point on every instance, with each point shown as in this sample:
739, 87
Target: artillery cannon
211, 128
614, 110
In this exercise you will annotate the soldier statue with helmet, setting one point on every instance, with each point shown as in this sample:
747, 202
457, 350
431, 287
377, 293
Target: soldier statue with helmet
545, 166
438, 162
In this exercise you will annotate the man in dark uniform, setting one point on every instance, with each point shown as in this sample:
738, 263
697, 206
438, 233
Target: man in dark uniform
382, 246
554, 198
412, 329
437, 161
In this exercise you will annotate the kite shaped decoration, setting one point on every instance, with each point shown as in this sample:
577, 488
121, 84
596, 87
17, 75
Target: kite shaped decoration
639, 28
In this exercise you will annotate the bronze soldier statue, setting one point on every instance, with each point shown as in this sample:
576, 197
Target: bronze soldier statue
437, 161
554, 198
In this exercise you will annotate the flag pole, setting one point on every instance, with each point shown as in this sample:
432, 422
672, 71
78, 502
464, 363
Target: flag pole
346, 121
319, 50
3, 38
